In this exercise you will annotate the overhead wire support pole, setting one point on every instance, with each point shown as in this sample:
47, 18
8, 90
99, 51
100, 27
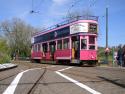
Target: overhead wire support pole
106, 27
107, 49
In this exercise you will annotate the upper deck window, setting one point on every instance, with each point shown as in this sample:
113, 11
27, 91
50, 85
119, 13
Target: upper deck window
92, 27
60, 33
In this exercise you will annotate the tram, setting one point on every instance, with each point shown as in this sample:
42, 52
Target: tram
72, 41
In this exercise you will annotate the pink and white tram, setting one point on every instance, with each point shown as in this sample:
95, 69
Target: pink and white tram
73, 41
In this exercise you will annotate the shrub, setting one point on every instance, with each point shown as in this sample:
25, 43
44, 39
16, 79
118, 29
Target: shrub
4, 59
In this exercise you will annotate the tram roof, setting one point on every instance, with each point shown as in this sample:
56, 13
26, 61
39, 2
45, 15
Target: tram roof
71, 20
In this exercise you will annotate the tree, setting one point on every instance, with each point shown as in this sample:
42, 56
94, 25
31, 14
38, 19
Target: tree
18, 35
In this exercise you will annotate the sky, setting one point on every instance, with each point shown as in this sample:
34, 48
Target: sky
51, 12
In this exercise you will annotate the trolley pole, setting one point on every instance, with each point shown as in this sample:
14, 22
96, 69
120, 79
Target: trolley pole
107, 50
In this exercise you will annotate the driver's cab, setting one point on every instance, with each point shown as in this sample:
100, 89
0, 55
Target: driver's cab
83, 46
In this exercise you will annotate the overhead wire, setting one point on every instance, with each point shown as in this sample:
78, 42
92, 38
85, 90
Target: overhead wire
38, 6
92, 3
32, 4
77, 1
34, 8
74, 3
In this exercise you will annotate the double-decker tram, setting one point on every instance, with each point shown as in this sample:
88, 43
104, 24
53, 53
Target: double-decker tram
72, 41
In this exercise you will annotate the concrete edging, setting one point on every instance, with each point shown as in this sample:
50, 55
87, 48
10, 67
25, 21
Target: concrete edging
7, 66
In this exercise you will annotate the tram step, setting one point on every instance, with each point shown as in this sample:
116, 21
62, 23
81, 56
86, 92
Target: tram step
76, 61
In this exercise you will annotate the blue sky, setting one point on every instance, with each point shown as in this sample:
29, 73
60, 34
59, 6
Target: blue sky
54, 11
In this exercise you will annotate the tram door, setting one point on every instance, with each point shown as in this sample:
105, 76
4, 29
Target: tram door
75, 47
52, 48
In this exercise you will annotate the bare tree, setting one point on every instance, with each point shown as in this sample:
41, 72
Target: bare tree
18, 35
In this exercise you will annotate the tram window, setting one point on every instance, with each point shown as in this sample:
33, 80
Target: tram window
66, 43
45, 46
35, 48
91, 40
83, 43
93, 27
52, 47
92, 47
39, 47
59, 44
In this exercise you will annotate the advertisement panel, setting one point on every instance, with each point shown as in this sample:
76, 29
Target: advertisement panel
79, 27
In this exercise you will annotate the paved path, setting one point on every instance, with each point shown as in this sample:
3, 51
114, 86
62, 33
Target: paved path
59, 79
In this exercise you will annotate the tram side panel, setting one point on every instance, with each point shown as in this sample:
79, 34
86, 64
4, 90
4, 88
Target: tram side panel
58, 55
88, 55
36, 55
63, 54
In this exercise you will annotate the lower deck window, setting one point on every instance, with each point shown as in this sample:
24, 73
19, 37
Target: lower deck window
52, 47
83, 44
59, 44
66, 43
39, 47
45, 47
35, 48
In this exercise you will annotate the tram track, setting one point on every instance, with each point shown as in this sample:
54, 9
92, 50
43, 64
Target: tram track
32, 89
8, 77
33, 86
87, 75
12, 75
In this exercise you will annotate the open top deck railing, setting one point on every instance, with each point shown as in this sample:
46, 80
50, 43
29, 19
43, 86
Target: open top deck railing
70, 20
